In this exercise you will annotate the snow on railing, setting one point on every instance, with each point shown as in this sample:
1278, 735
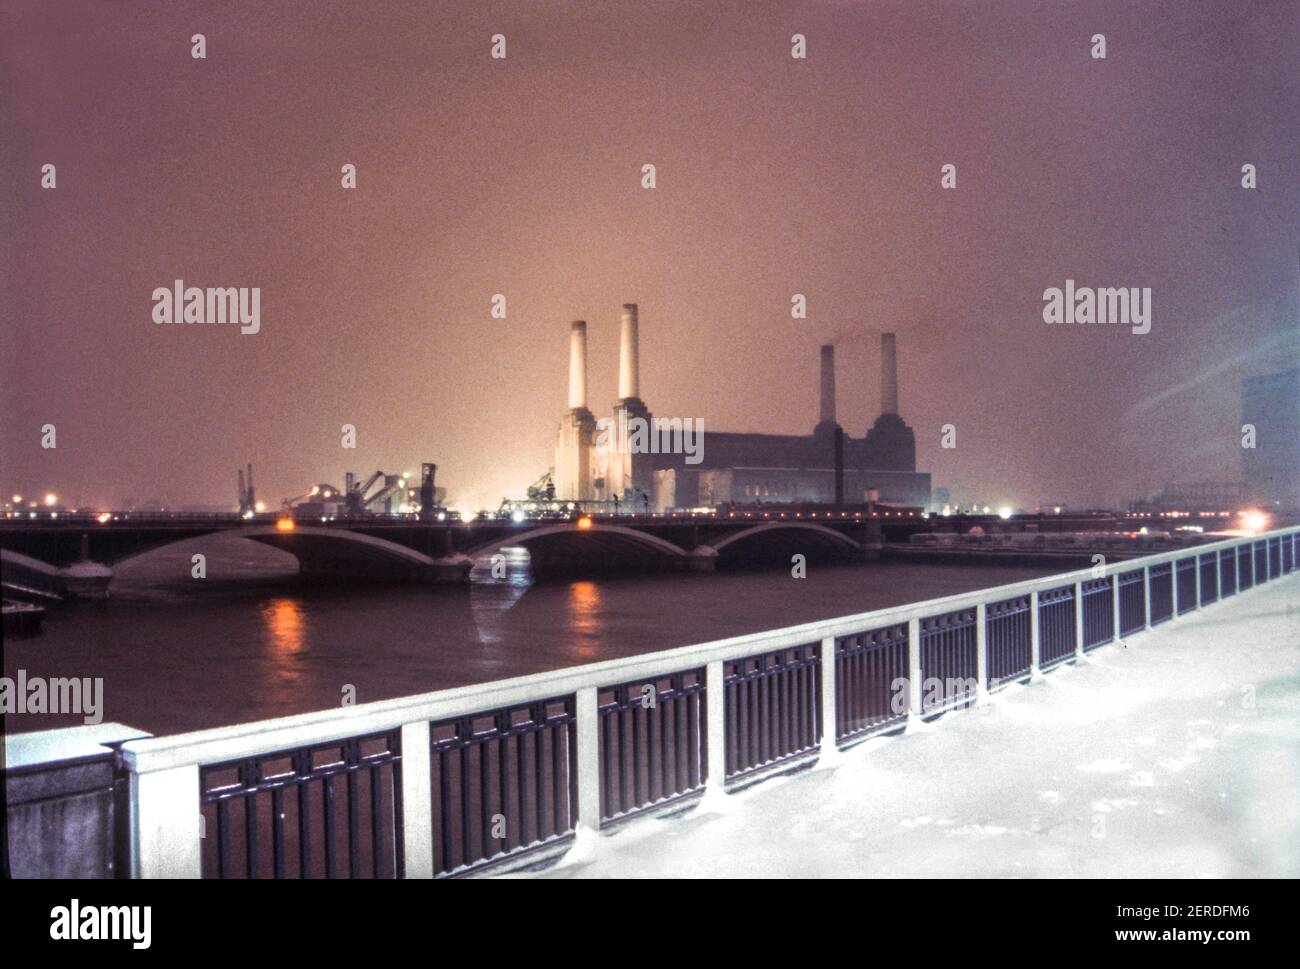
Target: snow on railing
449, 781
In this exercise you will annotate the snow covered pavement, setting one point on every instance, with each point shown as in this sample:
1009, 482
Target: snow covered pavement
1176, 756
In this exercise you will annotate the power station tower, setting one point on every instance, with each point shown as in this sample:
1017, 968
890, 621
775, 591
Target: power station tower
247, 500
628, 476
574, 449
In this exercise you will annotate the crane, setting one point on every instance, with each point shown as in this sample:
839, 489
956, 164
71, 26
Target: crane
323, 492
360, 502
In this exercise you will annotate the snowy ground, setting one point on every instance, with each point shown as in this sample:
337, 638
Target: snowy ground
1177, 756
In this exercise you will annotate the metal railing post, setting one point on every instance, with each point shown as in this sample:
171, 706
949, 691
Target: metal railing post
1035, 668
913, 668
166, 819
1173, 590
1078, 620
587, 714
981, 650
1114, 603
1146, 596
827, 655
417, 800
715, 693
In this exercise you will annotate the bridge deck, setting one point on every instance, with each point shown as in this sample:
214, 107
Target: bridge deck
1177, 756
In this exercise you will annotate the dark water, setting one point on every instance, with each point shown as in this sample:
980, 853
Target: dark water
248, 642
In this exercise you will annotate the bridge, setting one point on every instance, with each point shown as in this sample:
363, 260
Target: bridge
40, 551
498, 775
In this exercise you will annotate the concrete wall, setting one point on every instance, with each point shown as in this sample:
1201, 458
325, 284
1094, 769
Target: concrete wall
66, 803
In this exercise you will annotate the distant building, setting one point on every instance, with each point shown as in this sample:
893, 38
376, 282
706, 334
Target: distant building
735, 467
1271, 469
1197, 496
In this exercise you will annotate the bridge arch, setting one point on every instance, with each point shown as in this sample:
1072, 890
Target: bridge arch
769, 540
566, 547
345, 553
324, 551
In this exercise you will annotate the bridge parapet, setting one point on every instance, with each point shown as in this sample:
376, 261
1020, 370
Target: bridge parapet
653, 542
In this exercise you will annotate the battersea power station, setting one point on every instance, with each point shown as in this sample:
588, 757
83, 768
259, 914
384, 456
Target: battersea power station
676, 466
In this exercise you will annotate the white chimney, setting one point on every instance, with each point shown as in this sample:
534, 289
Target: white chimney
628, 381
578, 365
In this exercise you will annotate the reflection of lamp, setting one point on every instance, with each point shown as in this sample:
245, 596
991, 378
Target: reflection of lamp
584, 618
584, 523
285, 625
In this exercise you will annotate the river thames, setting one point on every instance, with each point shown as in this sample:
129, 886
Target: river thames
250, 642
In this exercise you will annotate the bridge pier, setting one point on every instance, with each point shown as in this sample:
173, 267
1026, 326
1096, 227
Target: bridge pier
451, 569
872, 540
702, 558
86, 580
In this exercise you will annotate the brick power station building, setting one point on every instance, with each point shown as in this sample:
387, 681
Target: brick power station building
733, 467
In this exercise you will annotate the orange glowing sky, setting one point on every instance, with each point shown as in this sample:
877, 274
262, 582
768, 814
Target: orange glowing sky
522, 177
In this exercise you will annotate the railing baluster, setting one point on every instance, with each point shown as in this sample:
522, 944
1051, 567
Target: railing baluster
521, 787
559, 760
465, 731
484, 786
223, 839
302, 767
328, 802
376, 824
277, 832
354, 855
250, 779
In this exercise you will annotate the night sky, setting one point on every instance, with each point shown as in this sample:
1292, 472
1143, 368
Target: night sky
522, 176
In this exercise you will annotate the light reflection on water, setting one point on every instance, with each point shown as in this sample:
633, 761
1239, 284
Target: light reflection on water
496, 584
284, 631
585, 622
284, 625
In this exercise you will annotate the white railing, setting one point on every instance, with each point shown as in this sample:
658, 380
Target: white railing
165, 771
